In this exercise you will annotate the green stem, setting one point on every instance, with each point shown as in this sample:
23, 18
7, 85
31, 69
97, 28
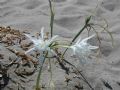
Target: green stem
52, 17
50, 69
38, 87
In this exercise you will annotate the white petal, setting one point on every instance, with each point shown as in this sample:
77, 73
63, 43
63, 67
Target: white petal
78, 41
83, 61
93, 47
74, 49
53, 52
52, 39
86, 39
34, 40
31, 38
42, 32
29, 50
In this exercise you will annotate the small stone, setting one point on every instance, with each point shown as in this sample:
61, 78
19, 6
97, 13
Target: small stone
4, 39
78, 85
25, 43
8, 28
0, 75
12, 57
67, 79
2, 35
9, 35
27, 69
1, 56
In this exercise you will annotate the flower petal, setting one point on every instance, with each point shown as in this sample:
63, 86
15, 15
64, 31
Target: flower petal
29, 50
93, 47
79, 40
34, 40
86, 39
53, 52
42, 32
52, 39
74, 49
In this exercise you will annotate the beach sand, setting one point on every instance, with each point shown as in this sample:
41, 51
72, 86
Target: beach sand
31, 15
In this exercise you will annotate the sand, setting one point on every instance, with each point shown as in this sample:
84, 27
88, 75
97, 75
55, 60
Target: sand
31, 15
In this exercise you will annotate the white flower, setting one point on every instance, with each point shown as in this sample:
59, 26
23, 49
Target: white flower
82, 48
40, 43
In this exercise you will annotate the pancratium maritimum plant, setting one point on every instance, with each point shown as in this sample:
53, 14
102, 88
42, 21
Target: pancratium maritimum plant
81, 48
50, 45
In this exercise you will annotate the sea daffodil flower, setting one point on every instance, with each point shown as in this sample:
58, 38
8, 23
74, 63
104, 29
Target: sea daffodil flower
41, 43
82, 48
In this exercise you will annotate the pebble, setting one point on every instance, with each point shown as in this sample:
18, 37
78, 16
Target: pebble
4, 39
25, 70
12, 57
0, 75
25, 44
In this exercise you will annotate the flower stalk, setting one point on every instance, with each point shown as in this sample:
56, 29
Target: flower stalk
52, 17
38, 84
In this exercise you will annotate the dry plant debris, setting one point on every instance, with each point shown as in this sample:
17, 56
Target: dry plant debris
9, 37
